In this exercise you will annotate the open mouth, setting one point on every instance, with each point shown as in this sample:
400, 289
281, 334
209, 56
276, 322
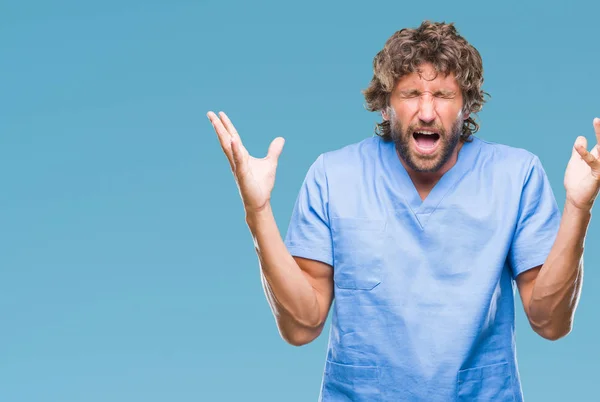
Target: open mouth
427, 141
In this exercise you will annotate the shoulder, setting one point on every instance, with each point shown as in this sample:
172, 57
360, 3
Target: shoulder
504, 153
354, 151
505, 158
344, 162
352, 156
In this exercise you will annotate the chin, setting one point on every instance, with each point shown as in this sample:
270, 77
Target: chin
425, 164
426, 167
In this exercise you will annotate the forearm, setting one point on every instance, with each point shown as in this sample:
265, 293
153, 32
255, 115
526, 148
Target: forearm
291, 296
558, 285
290, 329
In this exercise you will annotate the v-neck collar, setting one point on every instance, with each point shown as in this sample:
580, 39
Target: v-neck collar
422, 209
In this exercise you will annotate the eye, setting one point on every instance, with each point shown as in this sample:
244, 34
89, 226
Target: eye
445, 95
409, 94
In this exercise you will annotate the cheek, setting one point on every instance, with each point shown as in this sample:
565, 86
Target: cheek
405, 112
450, 113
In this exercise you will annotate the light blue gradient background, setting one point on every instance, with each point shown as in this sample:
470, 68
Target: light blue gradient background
126, 270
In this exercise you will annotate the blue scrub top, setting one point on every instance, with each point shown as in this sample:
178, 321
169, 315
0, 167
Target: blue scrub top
424, 290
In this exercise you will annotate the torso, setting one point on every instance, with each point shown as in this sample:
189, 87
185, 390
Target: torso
423, 294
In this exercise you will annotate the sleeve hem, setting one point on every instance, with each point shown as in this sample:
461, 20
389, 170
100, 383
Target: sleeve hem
528, 264
311, 253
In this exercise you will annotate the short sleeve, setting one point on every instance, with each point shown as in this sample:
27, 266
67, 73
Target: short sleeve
537, 222
309, 234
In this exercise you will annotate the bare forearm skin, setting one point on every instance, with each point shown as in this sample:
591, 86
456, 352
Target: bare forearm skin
557, 287
291, 296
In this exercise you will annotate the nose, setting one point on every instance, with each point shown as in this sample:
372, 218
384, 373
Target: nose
426, 108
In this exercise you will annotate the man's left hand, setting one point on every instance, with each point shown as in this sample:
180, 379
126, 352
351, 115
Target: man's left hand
582, 177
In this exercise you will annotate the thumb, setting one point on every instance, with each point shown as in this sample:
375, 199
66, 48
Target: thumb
275, 148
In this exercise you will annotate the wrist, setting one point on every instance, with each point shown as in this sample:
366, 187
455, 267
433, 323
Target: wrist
574, 208
254, 215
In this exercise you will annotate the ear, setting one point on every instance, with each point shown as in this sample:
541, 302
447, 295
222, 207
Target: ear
465, 115
385, 114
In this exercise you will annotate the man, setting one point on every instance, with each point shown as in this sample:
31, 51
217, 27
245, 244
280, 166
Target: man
420, 233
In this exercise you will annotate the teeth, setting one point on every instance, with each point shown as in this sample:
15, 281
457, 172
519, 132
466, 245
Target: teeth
425, 132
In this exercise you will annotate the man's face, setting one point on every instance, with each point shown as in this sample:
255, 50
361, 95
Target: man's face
425, 118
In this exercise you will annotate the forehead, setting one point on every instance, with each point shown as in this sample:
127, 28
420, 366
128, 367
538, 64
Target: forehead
426, 78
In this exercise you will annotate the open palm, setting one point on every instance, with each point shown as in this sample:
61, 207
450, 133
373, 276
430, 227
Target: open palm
582, 177
255, 177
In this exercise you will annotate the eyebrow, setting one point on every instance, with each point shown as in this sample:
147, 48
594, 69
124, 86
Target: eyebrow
412, 92
406, 92
446, 92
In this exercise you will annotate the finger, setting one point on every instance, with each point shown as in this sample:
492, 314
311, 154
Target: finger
581, 148
576, 145
239, 157
596, 151
228, 125
235, 138
223, 136
222, 133
597, 129
275, 148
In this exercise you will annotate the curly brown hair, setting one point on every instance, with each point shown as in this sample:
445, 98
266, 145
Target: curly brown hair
437, 43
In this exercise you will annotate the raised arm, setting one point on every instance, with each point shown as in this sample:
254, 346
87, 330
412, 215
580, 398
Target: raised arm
299, 291
550, 293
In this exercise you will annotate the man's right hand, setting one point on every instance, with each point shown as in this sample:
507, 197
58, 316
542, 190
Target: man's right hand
255, 177
299, 290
